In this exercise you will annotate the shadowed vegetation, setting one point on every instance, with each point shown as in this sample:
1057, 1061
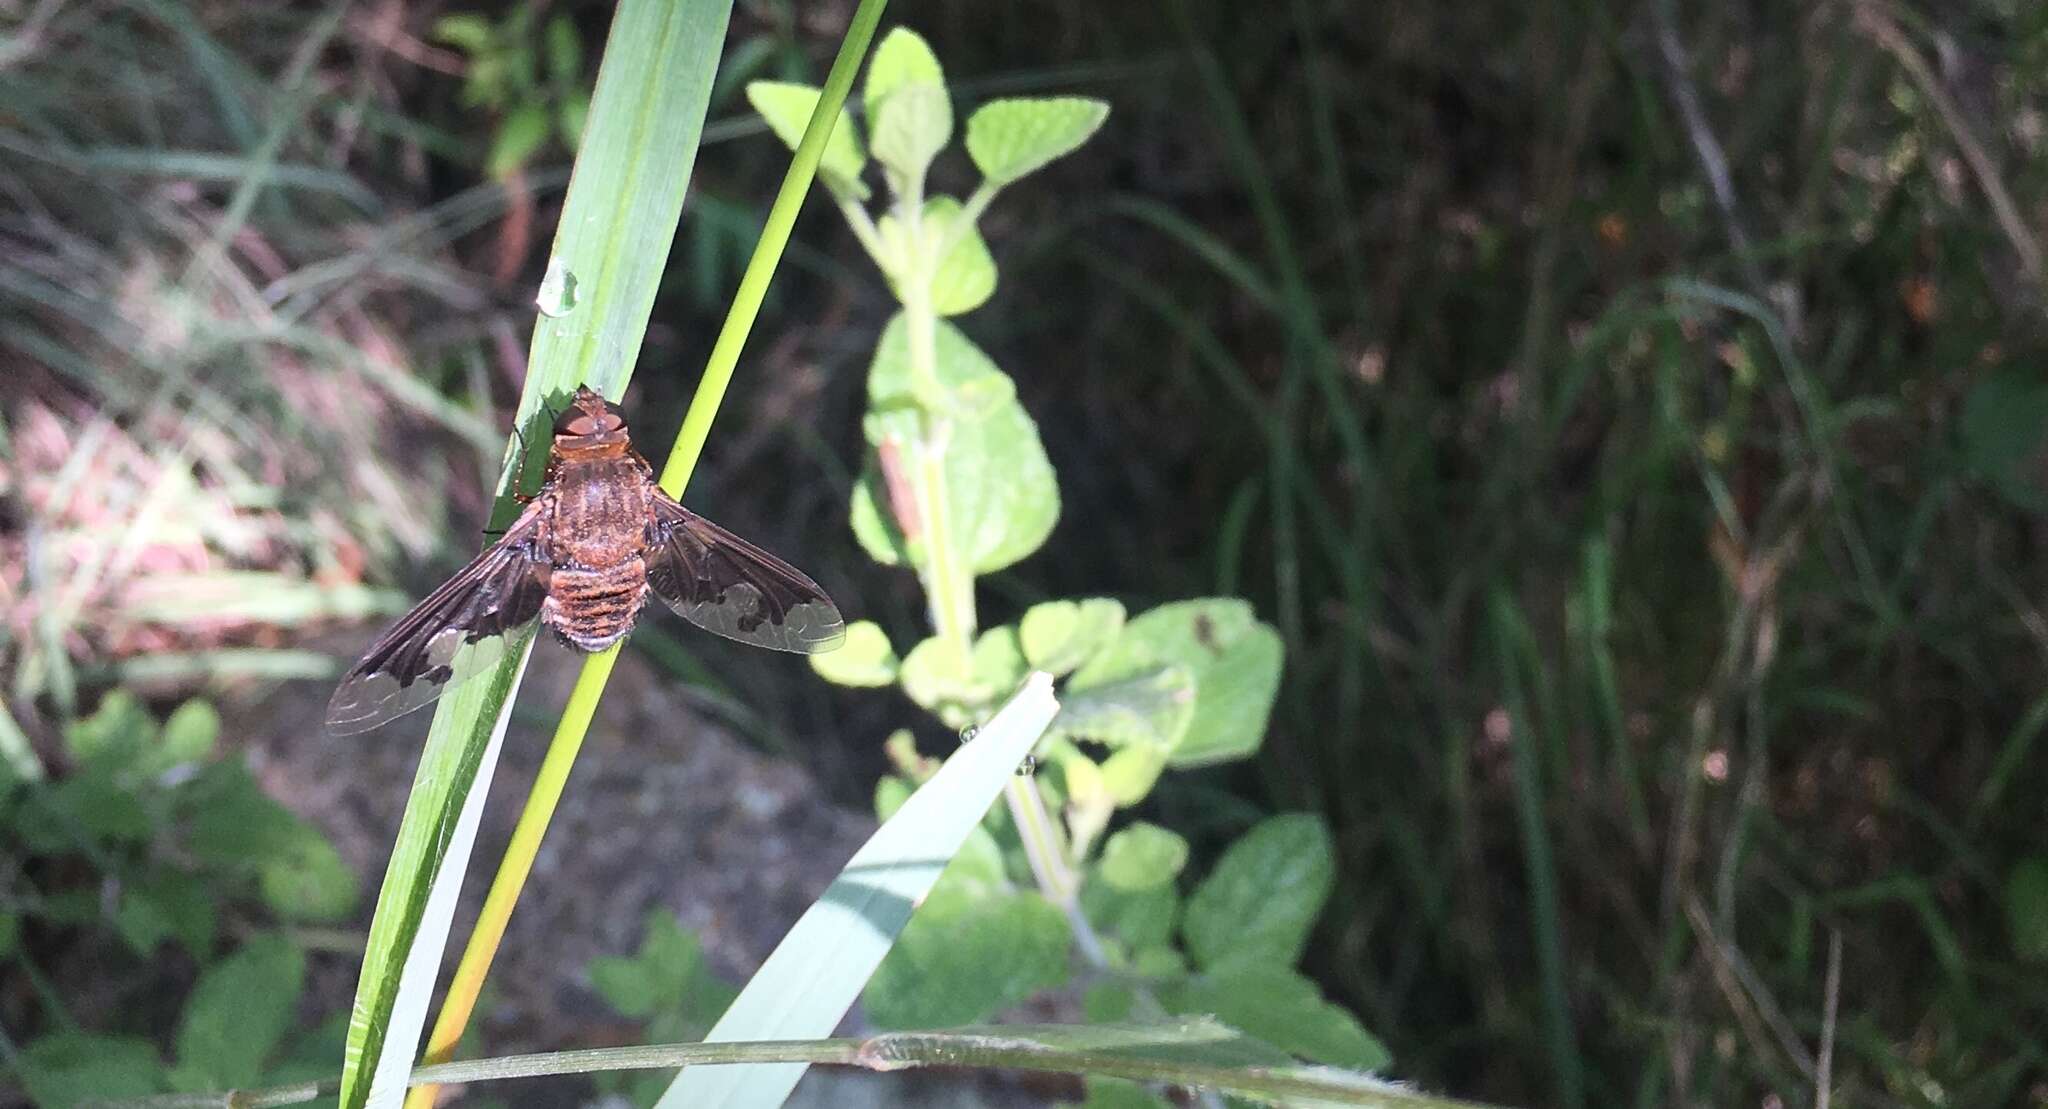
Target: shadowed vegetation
1630, 416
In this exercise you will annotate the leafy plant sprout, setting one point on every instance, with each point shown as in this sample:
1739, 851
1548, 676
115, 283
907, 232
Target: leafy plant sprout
956, 485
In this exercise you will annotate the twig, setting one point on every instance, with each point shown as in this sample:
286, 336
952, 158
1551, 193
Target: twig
1753, 1009
1713, 158
1878, 26
1823, 1080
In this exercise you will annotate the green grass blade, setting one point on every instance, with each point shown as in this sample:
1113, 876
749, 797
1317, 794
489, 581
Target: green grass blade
639, 146
454, 777
552, 779
820, 967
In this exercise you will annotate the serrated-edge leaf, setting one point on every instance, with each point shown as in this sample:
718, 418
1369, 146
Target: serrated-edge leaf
914, 123
966, 277
1264, 895
820, 967
239, 1011
1142, 856
864, 660
787, 107
1010, 139
901, 58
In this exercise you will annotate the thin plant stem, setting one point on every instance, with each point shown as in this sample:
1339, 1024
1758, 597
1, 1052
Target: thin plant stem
553, 776
1009, 1048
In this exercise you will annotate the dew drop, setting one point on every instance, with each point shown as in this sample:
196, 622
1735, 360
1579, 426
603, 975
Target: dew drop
1028, 767
557, 296
968, 733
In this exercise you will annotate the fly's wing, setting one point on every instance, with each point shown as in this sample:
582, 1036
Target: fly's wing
409, 665
724, 584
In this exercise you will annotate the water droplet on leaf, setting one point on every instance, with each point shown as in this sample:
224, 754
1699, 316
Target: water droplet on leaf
968, 733
1028, 767
557, 296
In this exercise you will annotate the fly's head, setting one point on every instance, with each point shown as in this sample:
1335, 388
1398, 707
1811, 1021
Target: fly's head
591, 427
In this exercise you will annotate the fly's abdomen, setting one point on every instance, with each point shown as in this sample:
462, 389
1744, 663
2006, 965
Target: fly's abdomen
593, 609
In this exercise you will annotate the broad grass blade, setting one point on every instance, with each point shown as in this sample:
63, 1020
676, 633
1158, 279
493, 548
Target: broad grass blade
625, 197
820, 967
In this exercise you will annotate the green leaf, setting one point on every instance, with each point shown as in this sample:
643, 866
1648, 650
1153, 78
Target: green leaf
1160, 962
977, 868
933, 676
570, 116
306, 879
187, 737
310, 1057
187, 902
974, 387
1081, 775
1282, 1008
654, 978
1058, 636
2005, 435
964, 278
1001, 496
1233, 658
2026, 908
468, 32
519, 136
1263, 895
787, 109
871, 511
1140, 918
1011, 138
865, 659
890, 793
1142, 856
90, 806
63, 1070
564, 52
238, 1013
117, 731
1108, 1000
1130, 773
1152, 709
1117, 1093
234, 824
915, 123
998, 661
966, 274
965, 957
901, 58
141, 922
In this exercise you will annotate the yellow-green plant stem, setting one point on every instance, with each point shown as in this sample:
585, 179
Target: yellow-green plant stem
949, 591
520, 852
553, 776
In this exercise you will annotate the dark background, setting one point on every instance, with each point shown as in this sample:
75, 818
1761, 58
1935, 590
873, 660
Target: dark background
1630, 414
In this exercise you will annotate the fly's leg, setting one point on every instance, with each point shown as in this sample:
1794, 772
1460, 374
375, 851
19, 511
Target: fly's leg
518, 471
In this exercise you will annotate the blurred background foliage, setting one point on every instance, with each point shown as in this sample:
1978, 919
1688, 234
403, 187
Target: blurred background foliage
1631, 416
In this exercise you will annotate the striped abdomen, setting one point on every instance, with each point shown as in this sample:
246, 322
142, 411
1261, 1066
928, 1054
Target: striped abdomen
593, 609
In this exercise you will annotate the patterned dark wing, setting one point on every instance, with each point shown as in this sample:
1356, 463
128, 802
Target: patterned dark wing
409, 665
724, 584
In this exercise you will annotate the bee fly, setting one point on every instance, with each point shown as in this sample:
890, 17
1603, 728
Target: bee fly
581, 558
